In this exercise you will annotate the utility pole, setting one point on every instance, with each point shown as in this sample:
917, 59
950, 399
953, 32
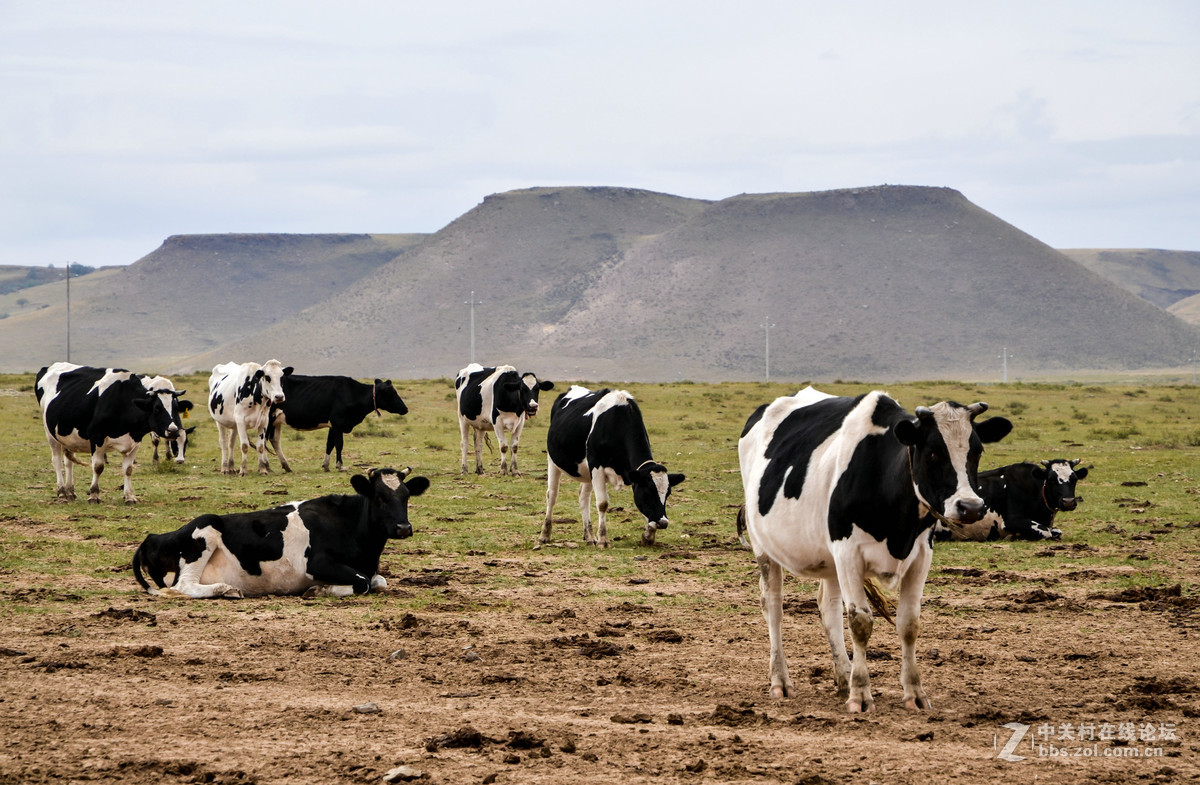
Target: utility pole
1004, 355
766, 325
472, 302
1195, 377
68, 312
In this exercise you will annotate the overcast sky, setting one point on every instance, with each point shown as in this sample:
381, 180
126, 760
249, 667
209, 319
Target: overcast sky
122, 123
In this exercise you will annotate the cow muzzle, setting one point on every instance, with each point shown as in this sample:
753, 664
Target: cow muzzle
969, 510
1069, 503
279, 398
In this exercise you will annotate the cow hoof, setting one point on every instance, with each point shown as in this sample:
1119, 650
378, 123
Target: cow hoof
233, 593
859, 707
647, 541
131, 500
920, 703
93, 500
779, 692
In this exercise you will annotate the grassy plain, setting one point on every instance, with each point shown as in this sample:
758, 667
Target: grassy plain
471, 579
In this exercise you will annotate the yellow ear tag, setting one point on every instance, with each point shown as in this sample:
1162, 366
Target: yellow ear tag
185, 414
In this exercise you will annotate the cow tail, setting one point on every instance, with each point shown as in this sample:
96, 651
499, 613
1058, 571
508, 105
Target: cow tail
137, 570
741, 527
879, 603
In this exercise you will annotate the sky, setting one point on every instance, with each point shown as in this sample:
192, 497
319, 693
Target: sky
122, 123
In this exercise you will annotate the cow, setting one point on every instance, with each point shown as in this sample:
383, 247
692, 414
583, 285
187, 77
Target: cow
328, 546
598, 438
174, 449
842, 489
338, 403
240, 396
1022, 500
495, 399
98, 410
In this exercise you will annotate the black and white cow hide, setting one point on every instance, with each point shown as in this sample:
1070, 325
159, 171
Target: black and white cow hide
330, 545
598, 438
1022, 501
240, 396
842, 490
495, 400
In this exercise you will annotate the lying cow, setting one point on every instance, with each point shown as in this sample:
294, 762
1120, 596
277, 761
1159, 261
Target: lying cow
1022, 500
338, 403
498, 400
599, 439
842, 489
240, 396
96, 410
327, 546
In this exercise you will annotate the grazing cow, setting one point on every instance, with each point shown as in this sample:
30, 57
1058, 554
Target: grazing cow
176, 448
98, 410
327, 546
839, 489
495, 399
1022, 500
240, 396
599, 439
338, 403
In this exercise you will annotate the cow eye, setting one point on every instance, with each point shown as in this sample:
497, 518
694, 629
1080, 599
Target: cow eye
934, 457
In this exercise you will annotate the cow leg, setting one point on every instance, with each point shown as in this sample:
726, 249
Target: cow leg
225, 437
98, 462
858, 609
277, 442
770, 584
479, 451
264, 465
908, 624
553, 482
333, 443
829, 601
340, 580
127, 464
514, 441
585, 512
62, 467
504, 459
600, 489
464, 430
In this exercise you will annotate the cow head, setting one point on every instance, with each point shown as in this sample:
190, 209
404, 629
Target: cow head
270, 381
1058, 477
944, 444
529, 390
388, 493
167, 422
651, 487
385, 397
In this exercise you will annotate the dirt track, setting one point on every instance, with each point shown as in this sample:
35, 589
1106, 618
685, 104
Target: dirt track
552, 677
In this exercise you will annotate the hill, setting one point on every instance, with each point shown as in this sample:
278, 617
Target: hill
193, 293
878, 283
1160, 277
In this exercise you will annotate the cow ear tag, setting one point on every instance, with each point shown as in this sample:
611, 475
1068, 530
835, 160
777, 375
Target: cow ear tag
185, 414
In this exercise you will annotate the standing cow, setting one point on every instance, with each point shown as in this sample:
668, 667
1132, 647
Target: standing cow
599, 439
1022, 500
498, 400
327, 546
240, 396
841, 489
338, 403
97, 410
174, 449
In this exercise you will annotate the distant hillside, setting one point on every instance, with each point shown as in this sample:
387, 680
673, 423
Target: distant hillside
875, 283
1187, 309
193, 293
1160, 277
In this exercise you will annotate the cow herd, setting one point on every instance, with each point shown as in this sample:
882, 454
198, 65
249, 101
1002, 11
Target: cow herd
849, 491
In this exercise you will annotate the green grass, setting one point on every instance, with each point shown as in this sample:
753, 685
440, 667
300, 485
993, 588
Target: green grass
1128, 434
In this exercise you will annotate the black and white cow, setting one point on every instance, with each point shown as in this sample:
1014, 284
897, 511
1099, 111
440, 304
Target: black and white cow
1022, 500
96, 410
338, 403
839, 489
599, 439
174, 449
240, 396
495, 399
326, 546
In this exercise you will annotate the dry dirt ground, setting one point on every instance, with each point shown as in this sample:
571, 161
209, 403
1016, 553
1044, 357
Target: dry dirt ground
523, 670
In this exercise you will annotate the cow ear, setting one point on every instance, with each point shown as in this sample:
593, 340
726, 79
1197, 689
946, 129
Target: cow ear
993, 429
287, 371
186, 406
1081, 472
417, 486
190, 431
378, 381
361, 484
546, 385
906, 431
675, 479
1038, 473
